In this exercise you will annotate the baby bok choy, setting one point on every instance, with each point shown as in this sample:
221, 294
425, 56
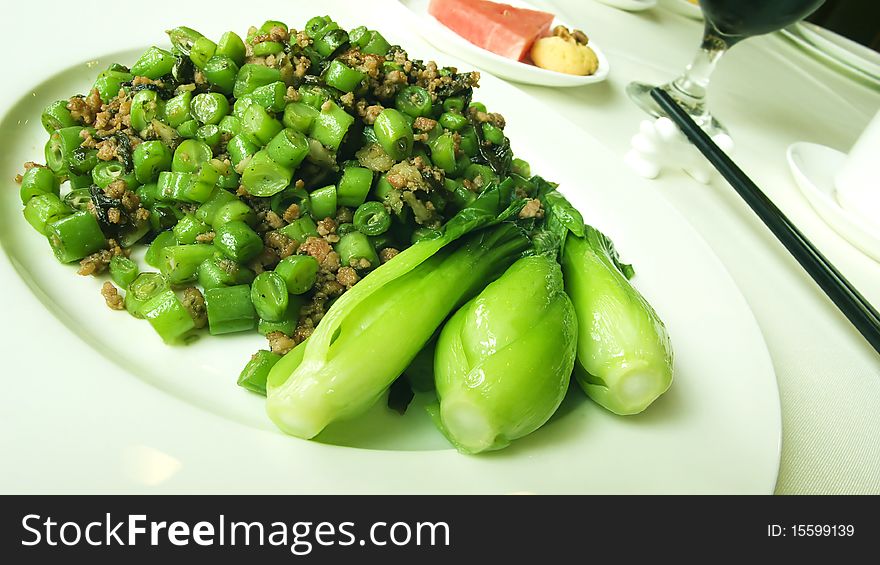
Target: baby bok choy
624, 354
372, 333
503, 361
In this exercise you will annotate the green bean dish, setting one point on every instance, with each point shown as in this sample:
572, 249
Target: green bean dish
361, 211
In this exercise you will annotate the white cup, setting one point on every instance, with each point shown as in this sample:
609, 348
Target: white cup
857, 183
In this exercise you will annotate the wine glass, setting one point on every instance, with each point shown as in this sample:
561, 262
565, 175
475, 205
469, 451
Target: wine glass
727, 23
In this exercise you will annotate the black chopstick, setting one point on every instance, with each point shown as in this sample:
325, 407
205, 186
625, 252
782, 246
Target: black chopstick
844, 295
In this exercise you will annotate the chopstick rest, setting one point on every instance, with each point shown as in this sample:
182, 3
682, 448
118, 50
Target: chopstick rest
660, 145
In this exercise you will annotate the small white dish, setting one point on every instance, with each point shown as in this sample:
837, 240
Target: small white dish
450, 42
813, 167
630, 5
684, 8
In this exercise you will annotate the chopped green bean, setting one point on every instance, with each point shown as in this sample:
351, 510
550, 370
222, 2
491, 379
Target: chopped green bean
45, 209
269, 295
371, 218
60, 147
394, 134
230, 124
235, 211
209, 108
168, 316
342, 77
56, 116
189, 228
299, 273
454, 104
288, 148
237, 241
452, 121
221, 71
355, 246
230, 309
376, 45
265, 48
36, 181
270, 96
180, 263
218, 271
177, 109
208, 210
254, 375
257, 126
414, 101
153, 64
314, 95
231, 45
331, 125
156, 250
521, 168
183, 38
328, 43
109, 83
190, 155
251, 76
354, 186
300, 229
123, 270
201, 52
299, 116
188, 129
265, 176
323, 202
79, 198
107, 172
144, 287
240, 150
150, 158
210, 134
145, 107
82, 160
75, 236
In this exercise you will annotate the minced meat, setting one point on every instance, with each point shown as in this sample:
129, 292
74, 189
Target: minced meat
111, 296
194, 303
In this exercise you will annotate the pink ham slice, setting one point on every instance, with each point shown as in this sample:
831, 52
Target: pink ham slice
499, 28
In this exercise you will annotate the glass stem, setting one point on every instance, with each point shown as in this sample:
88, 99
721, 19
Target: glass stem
690, 88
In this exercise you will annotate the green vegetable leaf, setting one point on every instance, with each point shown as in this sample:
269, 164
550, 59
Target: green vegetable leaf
603, 243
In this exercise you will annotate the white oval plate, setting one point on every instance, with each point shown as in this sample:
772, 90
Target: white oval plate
813, 167
450, 42
630, 5
95, 402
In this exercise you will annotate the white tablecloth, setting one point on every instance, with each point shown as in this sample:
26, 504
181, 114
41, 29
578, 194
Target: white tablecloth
769, 94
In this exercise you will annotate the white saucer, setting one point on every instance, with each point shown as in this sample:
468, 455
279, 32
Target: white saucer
630, 5
450, 42
813, 167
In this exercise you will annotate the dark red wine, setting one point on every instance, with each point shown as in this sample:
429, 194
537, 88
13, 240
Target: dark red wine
738, 19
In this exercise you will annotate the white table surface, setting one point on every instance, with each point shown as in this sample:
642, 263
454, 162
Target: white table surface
769, 94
